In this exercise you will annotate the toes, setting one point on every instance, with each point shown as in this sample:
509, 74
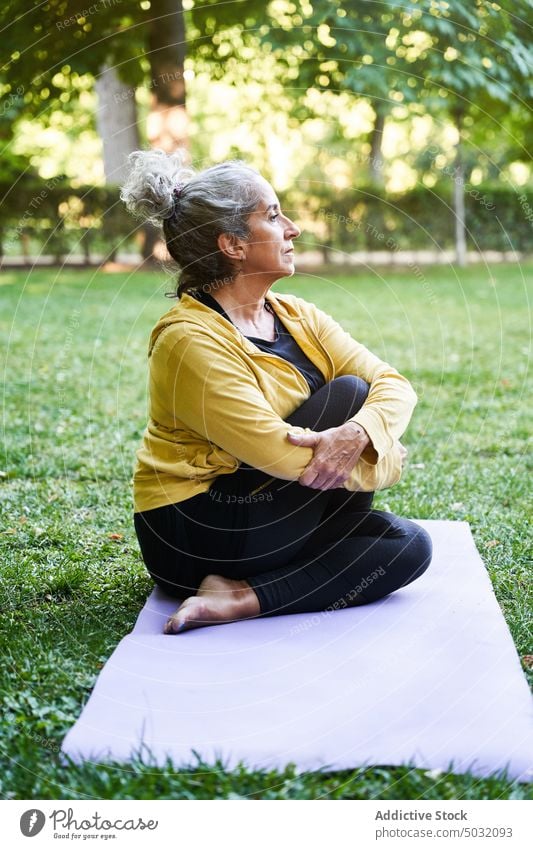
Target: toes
178, 620
174, 626
192, 615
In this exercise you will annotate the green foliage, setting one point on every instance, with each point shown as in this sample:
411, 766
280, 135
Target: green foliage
53, 47
391, 53
57, 217
464, 63
367, 218
50, 44
75, 409
13, 167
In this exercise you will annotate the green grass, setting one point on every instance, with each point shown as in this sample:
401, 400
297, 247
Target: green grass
74, 410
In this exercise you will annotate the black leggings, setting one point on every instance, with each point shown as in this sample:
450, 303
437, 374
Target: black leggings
300, 549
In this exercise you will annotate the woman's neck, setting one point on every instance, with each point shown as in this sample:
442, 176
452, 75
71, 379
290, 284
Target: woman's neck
243, 303
246, 309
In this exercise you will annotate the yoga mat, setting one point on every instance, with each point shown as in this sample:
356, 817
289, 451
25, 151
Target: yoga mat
427, 677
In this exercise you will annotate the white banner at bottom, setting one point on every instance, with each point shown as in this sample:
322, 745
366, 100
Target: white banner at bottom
241, 823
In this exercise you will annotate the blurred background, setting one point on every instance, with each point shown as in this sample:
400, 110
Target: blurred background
385, 129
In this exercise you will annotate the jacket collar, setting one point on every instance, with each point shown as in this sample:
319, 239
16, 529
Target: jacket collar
190, 309
280, 302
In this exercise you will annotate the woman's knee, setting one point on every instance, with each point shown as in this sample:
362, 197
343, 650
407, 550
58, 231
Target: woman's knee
423, 542
331, 405
340, 399
349, 391
418, 550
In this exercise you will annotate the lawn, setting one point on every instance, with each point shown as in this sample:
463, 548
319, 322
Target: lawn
73, 413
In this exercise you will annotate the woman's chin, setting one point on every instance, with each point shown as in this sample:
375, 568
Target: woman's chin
289, 268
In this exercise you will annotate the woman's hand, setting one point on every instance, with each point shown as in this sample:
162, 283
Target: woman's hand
336, 451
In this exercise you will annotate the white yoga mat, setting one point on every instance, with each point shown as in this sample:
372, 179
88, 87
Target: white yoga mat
427, 677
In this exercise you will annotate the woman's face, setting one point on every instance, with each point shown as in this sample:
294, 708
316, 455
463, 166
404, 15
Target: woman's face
269, 249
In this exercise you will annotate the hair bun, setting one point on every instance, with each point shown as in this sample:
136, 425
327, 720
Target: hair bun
154, 184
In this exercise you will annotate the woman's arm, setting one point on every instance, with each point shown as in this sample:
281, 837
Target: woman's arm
214, 393
337, 461
391, 398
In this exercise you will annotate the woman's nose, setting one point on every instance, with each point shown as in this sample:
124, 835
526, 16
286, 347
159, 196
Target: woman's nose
292, 231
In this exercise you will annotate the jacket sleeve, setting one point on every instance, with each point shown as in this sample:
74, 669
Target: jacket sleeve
214, 393
372, 475
391, 398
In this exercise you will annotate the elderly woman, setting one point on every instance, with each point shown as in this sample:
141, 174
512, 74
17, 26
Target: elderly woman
269, 426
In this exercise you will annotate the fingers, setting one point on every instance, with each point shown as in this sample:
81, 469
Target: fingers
322, 473
326, 470
307, 440
317, 480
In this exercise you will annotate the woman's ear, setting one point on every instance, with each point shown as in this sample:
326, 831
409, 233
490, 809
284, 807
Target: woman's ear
230, 246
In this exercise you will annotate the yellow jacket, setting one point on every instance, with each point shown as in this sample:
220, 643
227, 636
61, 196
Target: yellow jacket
215, 399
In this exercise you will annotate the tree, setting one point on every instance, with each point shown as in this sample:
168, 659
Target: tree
478, 68
116, 122
121, 44
327, 44
457, 60
167, 122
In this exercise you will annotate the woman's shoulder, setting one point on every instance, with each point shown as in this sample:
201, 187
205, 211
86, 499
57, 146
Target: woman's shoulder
297, 308
190, 322
291, 302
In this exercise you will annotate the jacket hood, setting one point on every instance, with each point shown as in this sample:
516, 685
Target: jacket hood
192, 311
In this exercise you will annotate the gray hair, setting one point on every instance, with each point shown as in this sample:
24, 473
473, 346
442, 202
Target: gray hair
193, 209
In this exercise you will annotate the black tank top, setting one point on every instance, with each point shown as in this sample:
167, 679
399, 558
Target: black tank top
284, 345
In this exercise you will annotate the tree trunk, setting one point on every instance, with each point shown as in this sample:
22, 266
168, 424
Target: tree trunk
25, 246
116, 121
459, 199
167, 126
376, 144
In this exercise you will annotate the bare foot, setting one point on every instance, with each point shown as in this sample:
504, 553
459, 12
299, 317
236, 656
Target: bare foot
218, 600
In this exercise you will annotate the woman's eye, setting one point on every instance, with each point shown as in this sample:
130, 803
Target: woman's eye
273, 217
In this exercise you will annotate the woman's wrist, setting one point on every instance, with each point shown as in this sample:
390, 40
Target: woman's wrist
359, 433
369, 453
